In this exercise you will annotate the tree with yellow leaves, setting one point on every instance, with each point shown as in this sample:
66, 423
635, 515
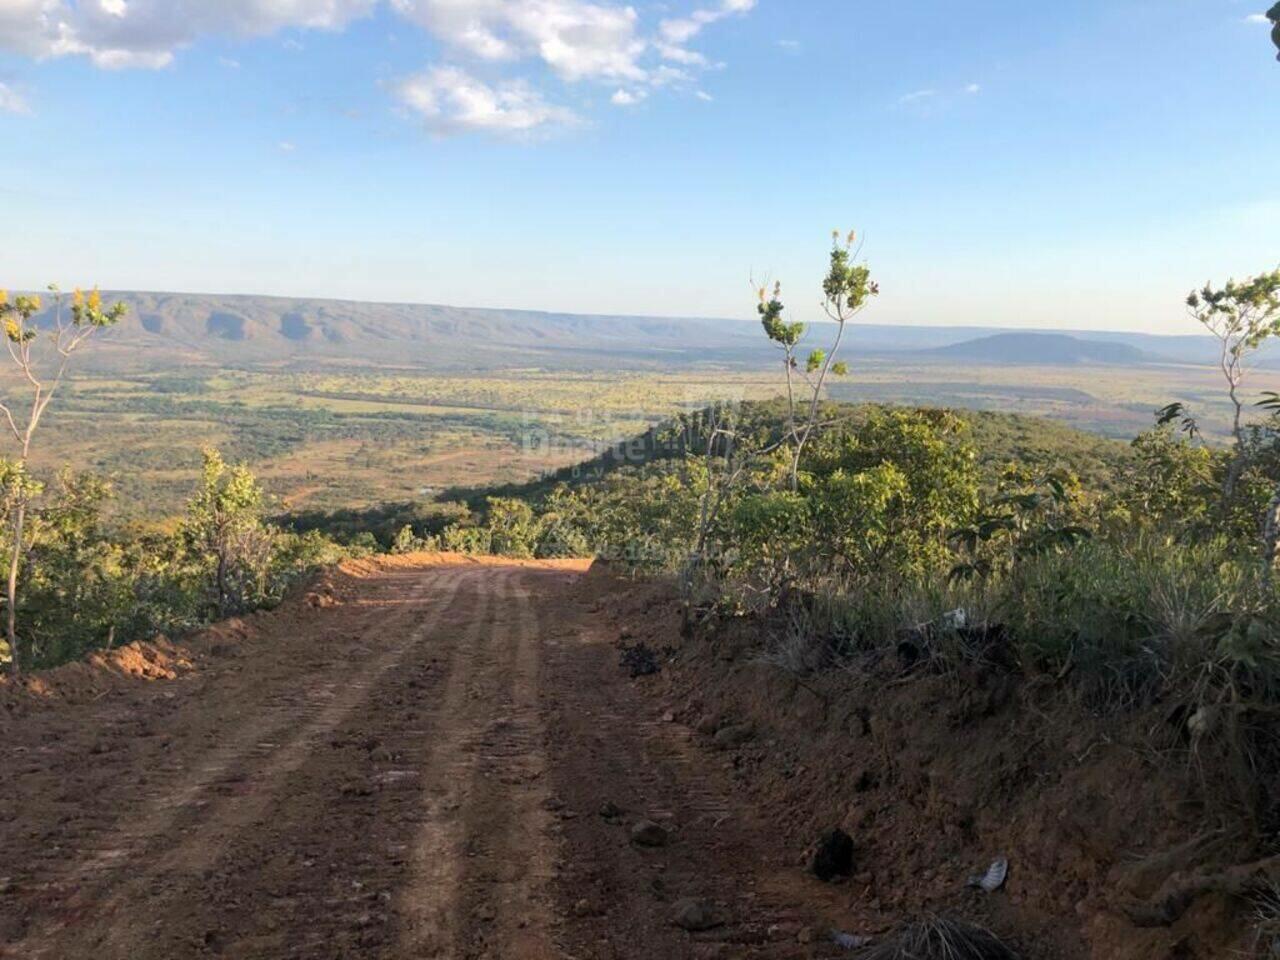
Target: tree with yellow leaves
42, 362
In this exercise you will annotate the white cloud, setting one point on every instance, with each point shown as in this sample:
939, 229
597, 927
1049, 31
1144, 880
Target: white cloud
471, 25
704, 96
11, 101
684, 29
791, 46
577, 39
599, 41
627, 98
1257, 18
678, 54
927, 100
596, 41
116, 34
450, 100
677, 32
581, 40
916, 96
667, 76
286, 146
229, 63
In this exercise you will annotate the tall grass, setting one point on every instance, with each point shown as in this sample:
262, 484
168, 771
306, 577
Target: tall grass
1129, 620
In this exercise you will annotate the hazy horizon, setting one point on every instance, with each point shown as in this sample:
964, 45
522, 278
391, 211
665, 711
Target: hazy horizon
747, 320
1180, 326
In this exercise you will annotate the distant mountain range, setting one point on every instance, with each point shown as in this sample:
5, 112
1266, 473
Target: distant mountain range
1056, 348
161, 327
164, 329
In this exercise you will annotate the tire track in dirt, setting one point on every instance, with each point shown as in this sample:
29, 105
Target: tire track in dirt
510, 854
427, 903
188, 824
330, 854
219, 766
431, 789
482, 862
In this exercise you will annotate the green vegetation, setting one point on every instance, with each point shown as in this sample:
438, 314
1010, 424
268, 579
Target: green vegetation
353, 440
1140, 571
23, 340
83, 587
88, 586
846, 290
863, 528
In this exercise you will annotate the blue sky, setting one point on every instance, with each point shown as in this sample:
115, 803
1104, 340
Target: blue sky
1009, 163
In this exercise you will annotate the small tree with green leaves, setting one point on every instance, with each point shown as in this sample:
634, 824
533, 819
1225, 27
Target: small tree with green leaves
225, 533
79, 580
847, 288
42, 362
1172, 482
407, 541
1242, 316
1274, 16
731, 455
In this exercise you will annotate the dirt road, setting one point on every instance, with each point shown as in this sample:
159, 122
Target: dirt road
415, 764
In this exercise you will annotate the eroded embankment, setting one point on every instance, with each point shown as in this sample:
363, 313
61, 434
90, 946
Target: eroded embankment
1126, 840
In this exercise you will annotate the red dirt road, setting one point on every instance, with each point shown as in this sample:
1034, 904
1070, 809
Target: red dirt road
411, 765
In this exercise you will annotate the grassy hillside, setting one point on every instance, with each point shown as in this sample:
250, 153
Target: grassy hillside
997, 438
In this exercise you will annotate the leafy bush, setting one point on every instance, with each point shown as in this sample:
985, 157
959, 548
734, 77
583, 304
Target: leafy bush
226, 539
406, 541
89, 587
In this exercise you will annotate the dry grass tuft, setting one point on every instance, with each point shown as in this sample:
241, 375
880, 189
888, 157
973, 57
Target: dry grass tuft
939, 938
1267, 919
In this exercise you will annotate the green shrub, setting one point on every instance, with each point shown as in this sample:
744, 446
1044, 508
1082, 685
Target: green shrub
90, 587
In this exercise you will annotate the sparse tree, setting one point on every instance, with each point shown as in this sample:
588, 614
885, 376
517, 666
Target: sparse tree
718, 473
1241, 316
846, 289
1274, 16
42, 372
225, 532
407, 541
730, 457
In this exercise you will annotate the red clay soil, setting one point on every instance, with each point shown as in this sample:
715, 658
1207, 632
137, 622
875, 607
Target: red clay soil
438, 757
1124, 841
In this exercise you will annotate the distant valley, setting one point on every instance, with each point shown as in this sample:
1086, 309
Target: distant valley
340, 404
163, 329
